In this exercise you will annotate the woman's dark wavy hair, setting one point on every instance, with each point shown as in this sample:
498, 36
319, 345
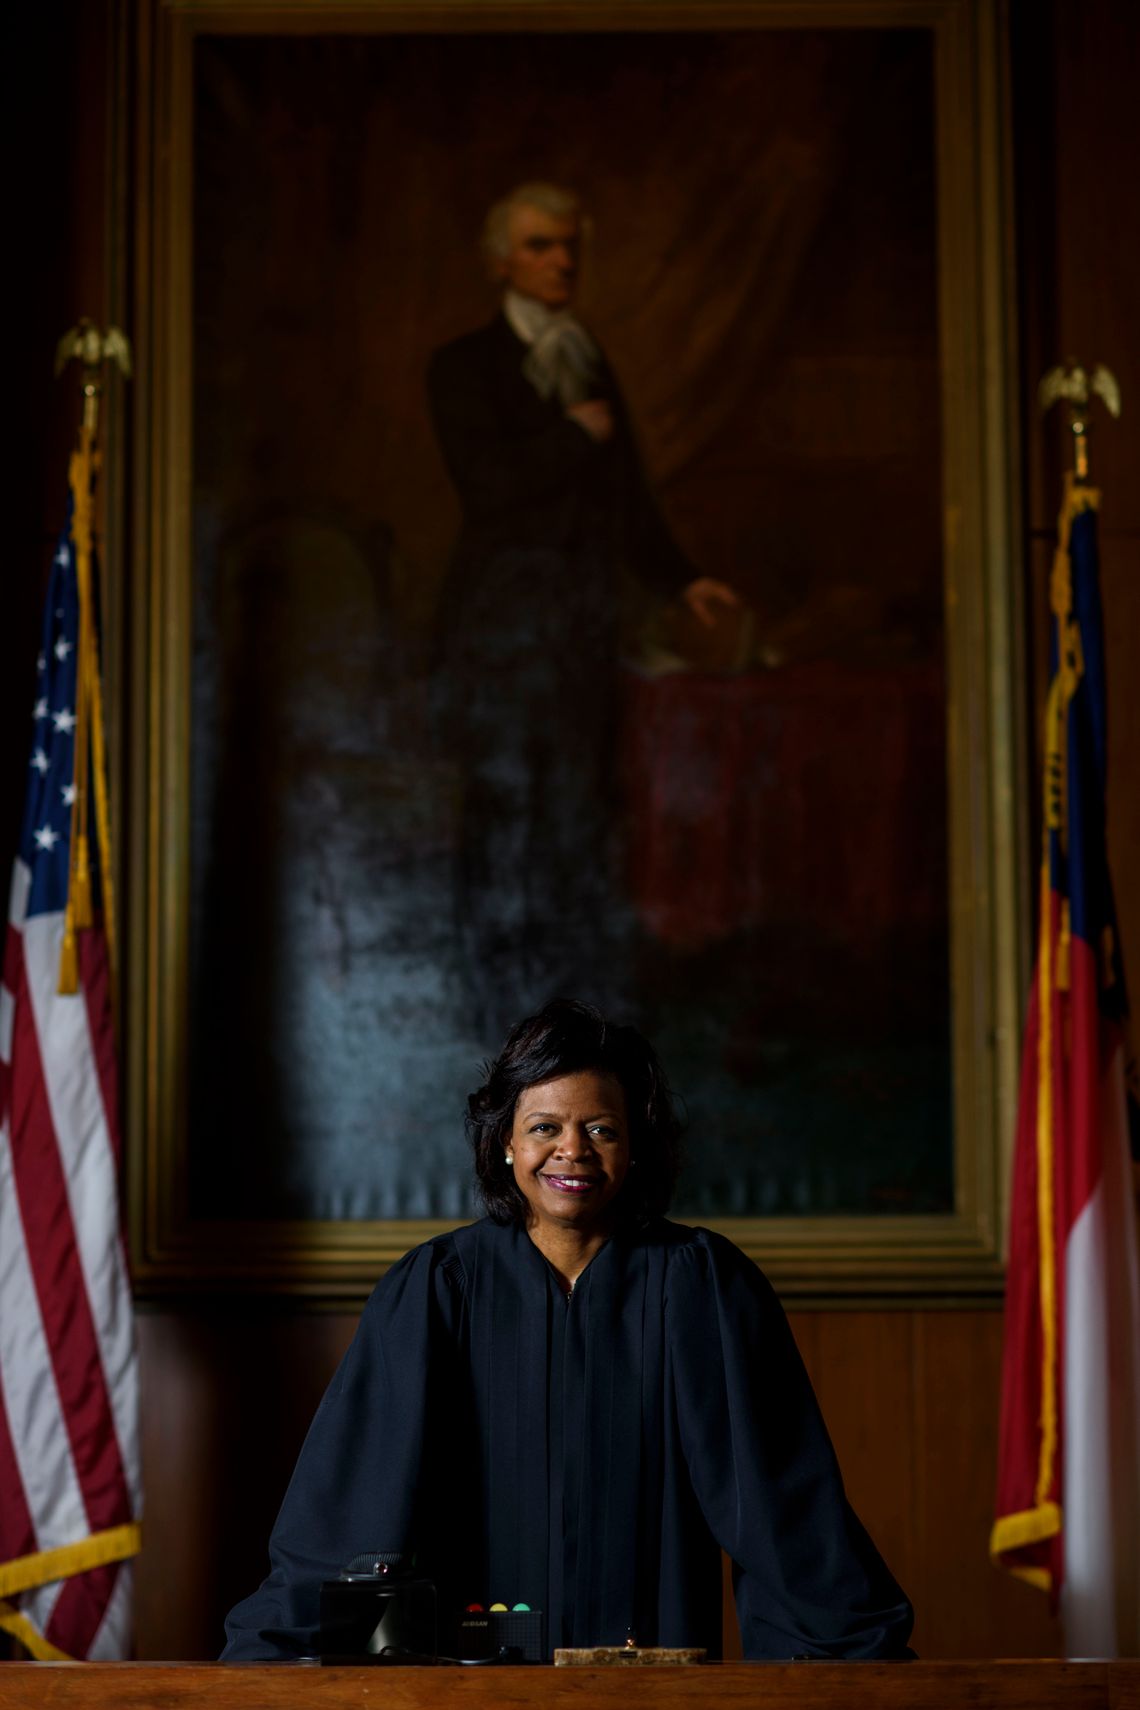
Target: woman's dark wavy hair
565, 1038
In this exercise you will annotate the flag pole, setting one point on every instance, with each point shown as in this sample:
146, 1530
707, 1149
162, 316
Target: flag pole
91, 348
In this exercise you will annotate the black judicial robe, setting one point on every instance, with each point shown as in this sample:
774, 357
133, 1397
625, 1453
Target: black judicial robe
588, 1457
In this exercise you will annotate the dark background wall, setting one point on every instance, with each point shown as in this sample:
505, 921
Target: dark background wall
55, 71
911, 1396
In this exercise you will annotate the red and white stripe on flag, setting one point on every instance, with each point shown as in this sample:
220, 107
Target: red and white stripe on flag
69, 1472
69, 1480
1068, 1499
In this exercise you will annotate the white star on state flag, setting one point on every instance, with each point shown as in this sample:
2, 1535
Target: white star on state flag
40, 761
41, 661
64, 721
47, 837
68, 793
61, 555
62, 648
40, 710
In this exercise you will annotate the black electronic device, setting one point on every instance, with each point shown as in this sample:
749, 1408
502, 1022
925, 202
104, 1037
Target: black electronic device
380, 1610
501, 1635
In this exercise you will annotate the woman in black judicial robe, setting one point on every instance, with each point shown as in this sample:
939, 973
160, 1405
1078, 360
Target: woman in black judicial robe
576, 1405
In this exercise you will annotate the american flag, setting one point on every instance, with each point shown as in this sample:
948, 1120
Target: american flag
69, 1476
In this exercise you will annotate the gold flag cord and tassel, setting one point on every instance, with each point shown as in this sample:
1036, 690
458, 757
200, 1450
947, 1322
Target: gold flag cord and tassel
1071, 385
45, 1567
1053, 977
90, 770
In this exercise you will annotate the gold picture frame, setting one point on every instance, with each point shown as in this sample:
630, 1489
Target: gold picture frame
945, 1257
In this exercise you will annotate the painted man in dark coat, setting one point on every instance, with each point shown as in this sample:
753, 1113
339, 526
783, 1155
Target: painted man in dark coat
559, 524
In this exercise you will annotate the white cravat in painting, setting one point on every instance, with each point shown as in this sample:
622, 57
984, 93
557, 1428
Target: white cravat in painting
563, 361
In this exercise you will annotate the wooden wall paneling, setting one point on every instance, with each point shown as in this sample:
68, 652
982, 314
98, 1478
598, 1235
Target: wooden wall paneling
1096, 268
1075, 67
969, 1607
861, 1370
226, 1400
1120, 591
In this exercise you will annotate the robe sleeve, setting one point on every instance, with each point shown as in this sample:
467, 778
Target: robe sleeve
355, 1485
808, 1579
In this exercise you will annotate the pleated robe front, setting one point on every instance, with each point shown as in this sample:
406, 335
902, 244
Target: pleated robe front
589, 1457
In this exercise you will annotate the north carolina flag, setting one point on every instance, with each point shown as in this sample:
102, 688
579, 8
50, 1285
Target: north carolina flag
1068, 1499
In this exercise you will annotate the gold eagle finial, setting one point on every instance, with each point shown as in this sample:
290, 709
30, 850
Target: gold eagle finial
1070, 384
85, 344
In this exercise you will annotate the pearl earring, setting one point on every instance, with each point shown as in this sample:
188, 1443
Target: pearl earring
510, 1157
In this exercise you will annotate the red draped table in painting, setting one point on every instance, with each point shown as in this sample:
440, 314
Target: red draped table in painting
813, 793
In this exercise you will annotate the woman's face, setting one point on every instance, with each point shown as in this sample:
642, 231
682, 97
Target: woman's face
570, 1139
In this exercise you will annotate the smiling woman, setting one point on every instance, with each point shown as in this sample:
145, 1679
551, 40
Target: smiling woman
577, 1405
570, 1108
570, 1156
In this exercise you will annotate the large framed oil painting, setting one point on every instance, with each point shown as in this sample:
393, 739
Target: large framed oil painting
423, 751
